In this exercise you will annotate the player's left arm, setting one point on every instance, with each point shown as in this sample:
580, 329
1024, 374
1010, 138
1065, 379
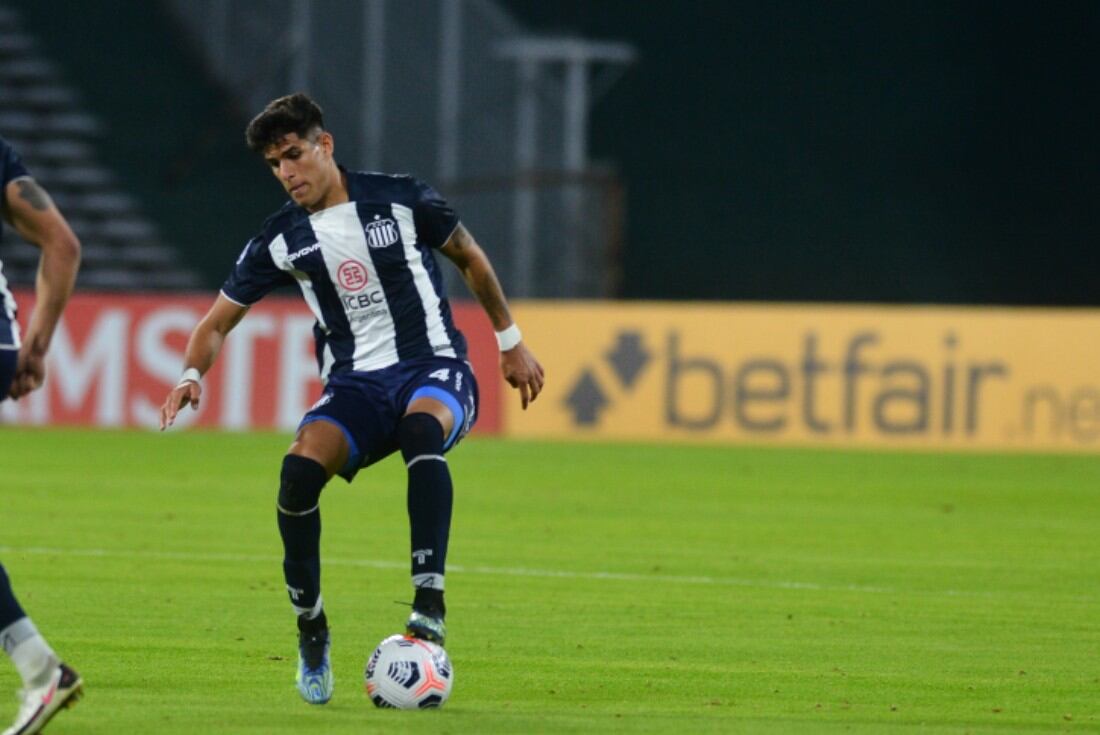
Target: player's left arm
520, 368
32, 213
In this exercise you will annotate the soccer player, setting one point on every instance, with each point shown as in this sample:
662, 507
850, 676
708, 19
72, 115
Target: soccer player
360, 246
48, 684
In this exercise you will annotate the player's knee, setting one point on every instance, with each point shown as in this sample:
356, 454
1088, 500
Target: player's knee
420, 433
300, 485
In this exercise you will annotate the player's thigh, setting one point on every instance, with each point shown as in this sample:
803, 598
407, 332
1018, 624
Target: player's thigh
351, 425
450, 384
324, 442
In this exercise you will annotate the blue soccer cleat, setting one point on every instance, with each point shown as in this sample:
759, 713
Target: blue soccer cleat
426, 627
314, 679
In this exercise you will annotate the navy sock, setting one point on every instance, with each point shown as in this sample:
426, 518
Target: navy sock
299, 516
313, 626
10, 611
430, 497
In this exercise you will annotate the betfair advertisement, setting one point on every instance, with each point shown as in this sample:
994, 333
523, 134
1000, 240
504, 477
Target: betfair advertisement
938, 378
869, 376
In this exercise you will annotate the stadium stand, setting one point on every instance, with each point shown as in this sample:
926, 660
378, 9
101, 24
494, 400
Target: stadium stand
43, 118
155, 96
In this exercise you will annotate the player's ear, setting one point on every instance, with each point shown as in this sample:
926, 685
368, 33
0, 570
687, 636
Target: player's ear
327, 142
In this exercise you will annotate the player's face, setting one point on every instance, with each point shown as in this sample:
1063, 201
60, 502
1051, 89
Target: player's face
304, 167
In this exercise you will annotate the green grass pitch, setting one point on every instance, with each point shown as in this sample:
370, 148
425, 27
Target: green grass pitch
591, 587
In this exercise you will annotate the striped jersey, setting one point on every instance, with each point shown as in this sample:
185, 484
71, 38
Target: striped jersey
367, 270
11, 168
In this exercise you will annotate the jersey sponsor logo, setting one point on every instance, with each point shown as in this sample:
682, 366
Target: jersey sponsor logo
381, 233
366, 305
359, 304
352, 275
303, 252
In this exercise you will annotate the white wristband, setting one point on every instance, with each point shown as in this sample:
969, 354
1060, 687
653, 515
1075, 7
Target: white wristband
508, 338
190, 375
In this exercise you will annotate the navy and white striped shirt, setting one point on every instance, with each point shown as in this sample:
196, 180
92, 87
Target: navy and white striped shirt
366, 270
11, 168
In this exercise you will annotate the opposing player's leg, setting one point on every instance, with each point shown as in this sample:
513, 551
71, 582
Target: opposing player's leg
48, 684
319, 450
441, 410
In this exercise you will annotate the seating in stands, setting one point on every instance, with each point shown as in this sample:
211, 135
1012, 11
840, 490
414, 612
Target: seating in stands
42, 117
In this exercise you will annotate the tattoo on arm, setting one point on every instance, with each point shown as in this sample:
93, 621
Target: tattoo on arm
34, 194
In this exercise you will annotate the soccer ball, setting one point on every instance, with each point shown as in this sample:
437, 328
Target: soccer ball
408, 673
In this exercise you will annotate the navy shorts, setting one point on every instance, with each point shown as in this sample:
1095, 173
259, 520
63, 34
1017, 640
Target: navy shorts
367, 406
9, 333
8, 359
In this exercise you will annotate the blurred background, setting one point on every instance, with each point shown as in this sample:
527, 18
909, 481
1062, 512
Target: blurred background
932, 152
730, 231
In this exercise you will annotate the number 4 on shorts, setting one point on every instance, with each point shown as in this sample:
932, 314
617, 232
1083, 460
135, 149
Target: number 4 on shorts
442, 375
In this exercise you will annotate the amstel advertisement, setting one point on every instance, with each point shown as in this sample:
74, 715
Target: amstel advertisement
951, 378
114, 357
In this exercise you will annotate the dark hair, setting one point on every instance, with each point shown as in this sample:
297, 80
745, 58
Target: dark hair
295, 113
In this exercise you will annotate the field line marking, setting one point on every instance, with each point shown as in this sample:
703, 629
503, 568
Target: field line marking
457, 568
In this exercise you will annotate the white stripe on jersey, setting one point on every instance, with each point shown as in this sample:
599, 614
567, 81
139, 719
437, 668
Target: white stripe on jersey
7, 303
278, 250
279, 255
341, 232
327, 360
437, 331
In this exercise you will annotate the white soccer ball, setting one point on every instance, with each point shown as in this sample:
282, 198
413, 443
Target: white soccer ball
408, 673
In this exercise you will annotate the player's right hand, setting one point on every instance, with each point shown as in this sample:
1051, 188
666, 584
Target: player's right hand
30, 372
187, 392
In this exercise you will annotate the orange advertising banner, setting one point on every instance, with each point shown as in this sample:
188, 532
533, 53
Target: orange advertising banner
885, 376
114, 357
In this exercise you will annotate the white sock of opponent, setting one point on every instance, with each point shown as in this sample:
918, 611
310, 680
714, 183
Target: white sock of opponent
32, 656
